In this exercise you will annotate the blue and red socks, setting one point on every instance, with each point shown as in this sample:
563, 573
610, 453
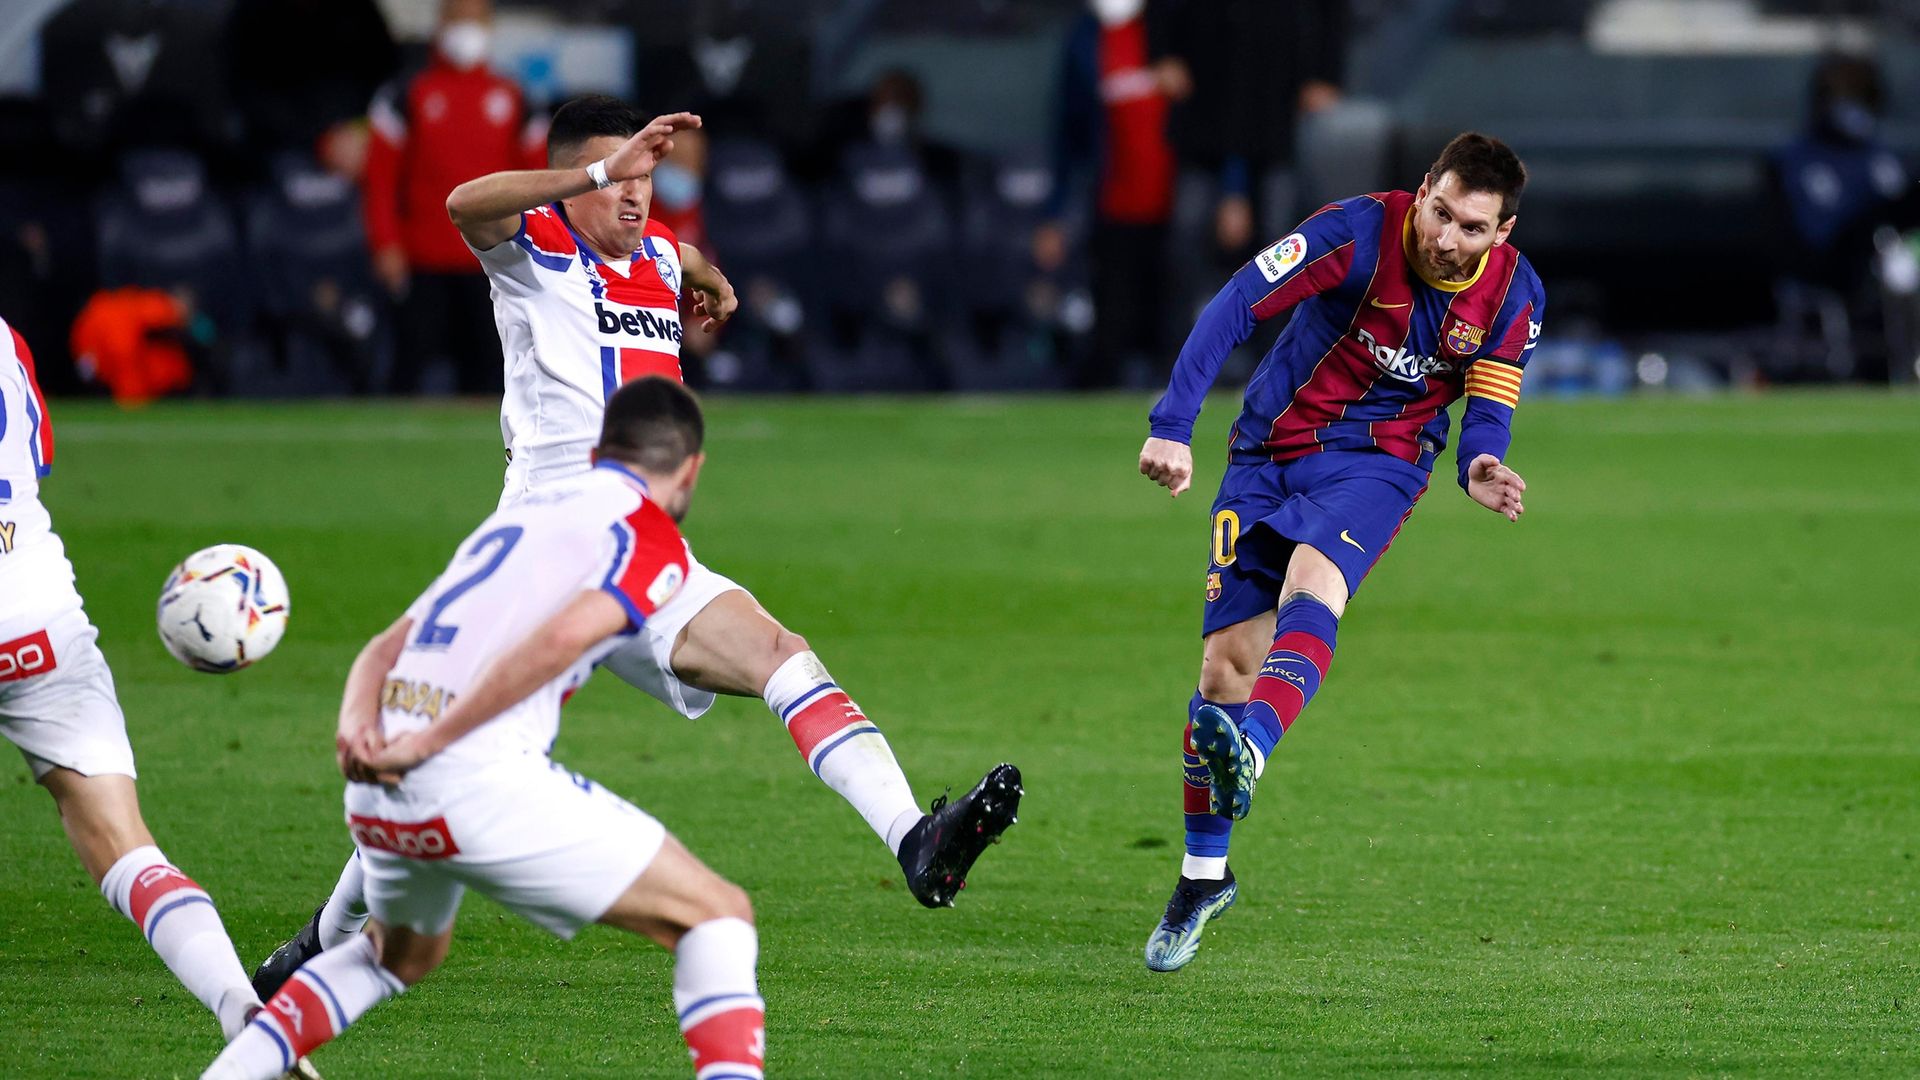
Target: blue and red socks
1207, 832
1304, 635
1302, 651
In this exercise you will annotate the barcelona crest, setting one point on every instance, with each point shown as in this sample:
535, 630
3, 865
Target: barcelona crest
1213, 587
1464, 338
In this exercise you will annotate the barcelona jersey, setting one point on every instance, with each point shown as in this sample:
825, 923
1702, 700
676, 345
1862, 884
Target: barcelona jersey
1375, 351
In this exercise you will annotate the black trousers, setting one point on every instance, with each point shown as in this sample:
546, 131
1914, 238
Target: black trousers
1130, 302
448, 318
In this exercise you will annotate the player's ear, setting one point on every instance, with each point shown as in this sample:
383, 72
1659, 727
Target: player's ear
689, 471
1500, 234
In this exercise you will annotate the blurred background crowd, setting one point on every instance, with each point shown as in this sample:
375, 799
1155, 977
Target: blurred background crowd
246, 197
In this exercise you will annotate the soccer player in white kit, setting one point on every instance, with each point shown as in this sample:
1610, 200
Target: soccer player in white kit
57, 704
586, 293
445, 725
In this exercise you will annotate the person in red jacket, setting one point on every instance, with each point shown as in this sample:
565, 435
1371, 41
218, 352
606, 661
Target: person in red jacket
433, 131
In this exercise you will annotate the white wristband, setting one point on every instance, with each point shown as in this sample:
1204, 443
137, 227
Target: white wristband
597, 172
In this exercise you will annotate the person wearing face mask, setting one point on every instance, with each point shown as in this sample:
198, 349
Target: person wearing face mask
1110, 134
453, 120
1835, 186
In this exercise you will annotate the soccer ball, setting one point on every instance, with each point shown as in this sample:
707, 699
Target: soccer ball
223, 608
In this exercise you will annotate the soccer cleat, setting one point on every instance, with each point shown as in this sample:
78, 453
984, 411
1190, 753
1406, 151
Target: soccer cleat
1221, 747
274, 972
939, 851
1194, 903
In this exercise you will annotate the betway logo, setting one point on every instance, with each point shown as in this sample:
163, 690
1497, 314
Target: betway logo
1400, 363
638, 323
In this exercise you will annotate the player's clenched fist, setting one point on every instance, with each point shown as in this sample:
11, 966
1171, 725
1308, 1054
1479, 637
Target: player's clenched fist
1496, 487
648, 147
1167, 463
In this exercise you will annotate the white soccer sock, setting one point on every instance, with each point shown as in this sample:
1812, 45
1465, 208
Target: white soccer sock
1203, 867
721, 1013
346, 910
179, 920
842, 747
329, 992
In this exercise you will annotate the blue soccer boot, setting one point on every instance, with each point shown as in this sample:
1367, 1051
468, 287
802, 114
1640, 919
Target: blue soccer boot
1223, 749
1194, 903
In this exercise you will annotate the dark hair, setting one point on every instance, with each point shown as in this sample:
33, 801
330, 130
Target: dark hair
1483, 163
652, 423
586, 117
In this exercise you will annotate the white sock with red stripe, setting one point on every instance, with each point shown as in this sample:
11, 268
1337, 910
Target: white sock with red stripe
842, 747
721, 1013
179, 920
346, 910
329, 992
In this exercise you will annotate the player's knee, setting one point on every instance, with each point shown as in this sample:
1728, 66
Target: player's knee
1224, 680
727, 901
787, 645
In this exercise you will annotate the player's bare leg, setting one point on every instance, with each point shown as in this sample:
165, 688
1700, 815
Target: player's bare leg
101, 815
677, 901
708, 923
734, 646
1255, 678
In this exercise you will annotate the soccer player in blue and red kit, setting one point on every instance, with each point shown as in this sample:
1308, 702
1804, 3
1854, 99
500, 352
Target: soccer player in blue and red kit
1401, 304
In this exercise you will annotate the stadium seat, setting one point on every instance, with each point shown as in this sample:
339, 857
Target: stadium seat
889, 248
760, 227
1012, 326
162, 226
324, 313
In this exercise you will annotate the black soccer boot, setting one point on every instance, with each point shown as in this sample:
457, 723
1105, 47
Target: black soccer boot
939, 851
274, 972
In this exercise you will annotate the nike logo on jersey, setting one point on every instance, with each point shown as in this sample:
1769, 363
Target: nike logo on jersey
1349, 539
1390, 307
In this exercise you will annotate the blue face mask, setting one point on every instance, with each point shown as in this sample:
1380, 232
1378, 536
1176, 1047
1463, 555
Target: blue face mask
675, 186
1852, 119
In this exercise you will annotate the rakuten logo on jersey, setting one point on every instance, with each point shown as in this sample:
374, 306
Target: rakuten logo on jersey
655, 325
1399, 363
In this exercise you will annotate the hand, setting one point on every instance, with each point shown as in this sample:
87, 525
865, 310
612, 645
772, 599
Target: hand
390, 266
1167, 463
1318, 94
715, 308
648, 147
377, 761
1496, 487
1233, 223
1049, 247
1175, 80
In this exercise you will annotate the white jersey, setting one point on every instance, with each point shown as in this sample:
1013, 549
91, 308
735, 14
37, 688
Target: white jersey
574, 328
521, 566
36, 581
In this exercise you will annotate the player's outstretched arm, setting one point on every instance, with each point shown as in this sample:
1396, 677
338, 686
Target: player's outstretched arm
1496, 487
716, 301
535, 661
1167, 463
360, 702
487, 210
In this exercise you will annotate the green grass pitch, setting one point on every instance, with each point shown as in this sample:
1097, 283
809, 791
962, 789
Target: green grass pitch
1630, 788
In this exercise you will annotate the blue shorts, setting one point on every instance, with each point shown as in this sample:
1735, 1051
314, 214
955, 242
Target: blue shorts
1347, 504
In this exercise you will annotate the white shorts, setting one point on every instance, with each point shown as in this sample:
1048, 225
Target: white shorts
547, 843
647, 661
69, 716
